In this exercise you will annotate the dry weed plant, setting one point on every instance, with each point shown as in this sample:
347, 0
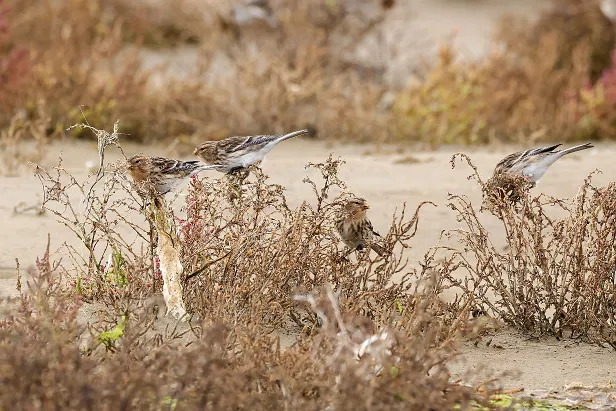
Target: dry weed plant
348, 365
112, 259
378, 335
549, 76
557, 275
285, 251
61, 55
17, 151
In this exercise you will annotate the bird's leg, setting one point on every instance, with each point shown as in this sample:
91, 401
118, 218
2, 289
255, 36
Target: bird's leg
241, 173
363, 251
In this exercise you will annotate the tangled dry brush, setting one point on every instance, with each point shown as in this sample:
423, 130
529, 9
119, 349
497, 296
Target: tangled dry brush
278, 316
557, 274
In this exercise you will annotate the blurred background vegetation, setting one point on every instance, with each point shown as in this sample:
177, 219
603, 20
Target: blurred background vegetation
257, 67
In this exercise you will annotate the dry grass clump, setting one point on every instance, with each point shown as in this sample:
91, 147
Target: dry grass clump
296, 68
347, 365
553, 76
499, 98
555, 277
448, 106
285, 251
251, 268
63, 55
565, 69
249, 79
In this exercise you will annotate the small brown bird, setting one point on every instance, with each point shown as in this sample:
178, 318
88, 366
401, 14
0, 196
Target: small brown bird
354, 227
237, 153
535, 162
163, 174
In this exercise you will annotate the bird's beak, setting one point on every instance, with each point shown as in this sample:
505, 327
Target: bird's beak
366, 206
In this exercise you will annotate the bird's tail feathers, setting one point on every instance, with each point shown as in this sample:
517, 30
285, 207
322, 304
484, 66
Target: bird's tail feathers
575, 148
293, 134
203, 167
210, 167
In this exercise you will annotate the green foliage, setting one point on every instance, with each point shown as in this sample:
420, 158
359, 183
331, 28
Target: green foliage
109, 338
116, 273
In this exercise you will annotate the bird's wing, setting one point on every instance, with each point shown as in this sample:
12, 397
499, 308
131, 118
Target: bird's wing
163, 165
252, 141
372, 228
539, 150
171, 166
511, 160
508, 161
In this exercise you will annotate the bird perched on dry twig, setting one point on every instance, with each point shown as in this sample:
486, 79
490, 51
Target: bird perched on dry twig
354, 227
237, 153
533, 163
163, 174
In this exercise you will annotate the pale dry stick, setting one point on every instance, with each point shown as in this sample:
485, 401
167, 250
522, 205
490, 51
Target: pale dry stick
170, 265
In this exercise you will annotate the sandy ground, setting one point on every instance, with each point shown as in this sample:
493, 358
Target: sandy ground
379, 177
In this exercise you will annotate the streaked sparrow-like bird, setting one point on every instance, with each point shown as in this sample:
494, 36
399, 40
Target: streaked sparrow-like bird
355, 229
240, 152
163, 174
533, 163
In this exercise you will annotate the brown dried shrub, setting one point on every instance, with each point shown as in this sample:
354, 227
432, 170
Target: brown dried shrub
344, 366
555, 277
373, 341
300, 73
550, 76
285, 251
